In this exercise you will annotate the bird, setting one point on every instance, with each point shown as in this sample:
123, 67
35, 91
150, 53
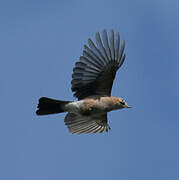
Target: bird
91, 84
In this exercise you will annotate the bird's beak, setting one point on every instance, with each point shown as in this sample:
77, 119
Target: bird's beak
127, 106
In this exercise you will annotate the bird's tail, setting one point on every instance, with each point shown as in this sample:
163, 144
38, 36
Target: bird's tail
50, 106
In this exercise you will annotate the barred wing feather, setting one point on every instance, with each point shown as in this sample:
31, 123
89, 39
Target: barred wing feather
78, 124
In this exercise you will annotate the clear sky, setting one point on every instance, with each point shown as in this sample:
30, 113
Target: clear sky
40, 41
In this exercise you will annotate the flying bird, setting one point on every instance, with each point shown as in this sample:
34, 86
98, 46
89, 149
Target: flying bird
92, 81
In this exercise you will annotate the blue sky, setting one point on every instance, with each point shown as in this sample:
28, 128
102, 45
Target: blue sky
40, 42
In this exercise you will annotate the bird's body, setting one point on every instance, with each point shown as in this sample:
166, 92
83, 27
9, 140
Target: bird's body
91, 106
92, 81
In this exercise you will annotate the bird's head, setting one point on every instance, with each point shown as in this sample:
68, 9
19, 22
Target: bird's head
120, 103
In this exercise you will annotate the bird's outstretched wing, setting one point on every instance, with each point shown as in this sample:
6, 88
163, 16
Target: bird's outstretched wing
93, 75
78, 124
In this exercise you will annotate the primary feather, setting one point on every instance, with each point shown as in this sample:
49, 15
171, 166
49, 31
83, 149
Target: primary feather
93, 75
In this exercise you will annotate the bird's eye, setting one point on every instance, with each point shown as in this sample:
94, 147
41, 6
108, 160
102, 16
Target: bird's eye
123, 103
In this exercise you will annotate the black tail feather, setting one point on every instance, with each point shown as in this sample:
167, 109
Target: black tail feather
50, 106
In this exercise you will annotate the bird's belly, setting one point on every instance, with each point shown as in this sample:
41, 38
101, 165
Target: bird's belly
86, 107
74, 107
